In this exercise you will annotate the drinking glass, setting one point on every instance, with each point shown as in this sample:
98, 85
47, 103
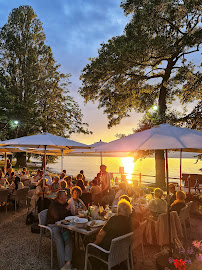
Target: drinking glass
101, 209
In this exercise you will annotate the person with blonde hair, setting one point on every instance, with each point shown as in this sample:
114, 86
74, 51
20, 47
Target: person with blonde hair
179, 203
157, 205
116, 226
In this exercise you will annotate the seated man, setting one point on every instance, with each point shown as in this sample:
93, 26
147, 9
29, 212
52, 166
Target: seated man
58, 210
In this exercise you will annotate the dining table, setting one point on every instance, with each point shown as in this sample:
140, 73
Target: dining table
83, 234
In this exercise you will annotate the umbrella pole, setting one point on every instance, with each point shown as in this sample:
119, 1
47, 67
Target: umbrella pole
5, 162
101, 157
44, 169
168, 200
180, 169
61, 160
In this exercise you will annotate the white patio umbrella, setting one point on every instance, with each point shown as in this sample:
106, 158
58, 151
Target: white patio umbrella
162, 137
8, 151
50, 152
89, 152
45, 141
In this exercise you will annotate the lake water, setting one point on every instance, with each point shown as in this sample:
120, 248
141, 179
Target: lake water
91, 166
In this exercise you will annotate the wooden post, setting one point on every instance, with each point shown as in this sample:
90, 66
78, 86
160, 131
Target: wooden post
180, 169
140, 179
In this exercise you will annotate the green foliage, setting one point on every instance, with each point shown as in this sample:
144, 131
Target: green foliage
32, 88
148, 63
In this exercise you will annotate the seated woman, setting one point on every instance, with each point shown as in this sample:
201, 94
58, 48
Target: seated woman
39, 191
94, 187
179, 203
25, 172
55, 186
80, 182
63, 185
120, 192
75, 203
111, 230
68, 180
157, 205
10, 175
15, 186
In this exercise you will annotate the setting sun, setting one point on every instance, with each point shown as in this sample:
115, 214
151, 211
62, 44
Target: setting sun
128, 164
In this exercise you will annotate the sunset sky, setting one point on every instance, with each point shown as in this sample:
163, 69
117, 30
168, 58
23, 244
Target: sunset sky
75, 29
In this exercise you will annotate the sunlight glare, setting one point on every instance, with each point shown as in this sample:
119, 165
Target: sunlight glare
128, 164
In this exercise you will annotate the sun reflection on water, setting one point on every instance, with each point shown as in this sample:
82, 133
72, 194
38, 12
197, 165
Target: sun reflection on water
128, 164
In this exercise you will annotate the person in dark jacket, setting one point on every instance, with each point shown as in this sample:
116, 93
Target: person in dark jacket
179, 203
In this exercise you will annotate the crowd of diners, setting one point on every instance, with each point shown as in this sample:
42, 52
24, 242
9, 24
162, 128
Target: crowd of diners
68, 201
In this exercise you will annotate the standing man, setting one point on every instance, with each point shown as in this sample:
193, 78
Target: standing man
105, 180
58, 210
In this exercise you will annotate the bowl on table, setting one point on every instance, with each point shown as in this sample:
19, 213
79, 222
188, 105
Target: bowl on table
80, 222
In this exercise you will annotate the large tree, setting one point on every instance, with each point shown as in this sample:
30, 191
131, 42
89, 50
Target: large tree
149, 64
32, 88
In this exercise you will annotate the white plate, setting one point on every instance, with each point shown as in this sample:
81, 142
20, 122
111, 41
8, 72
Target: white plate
80, 220
98, 223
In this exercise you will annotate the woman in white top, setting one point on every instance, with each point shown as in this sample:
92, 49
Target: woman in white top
38, 192
75, 203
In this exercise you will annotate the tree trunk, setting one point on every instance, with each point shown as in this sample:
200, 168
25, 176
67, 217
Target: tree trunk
21, 160
160, 168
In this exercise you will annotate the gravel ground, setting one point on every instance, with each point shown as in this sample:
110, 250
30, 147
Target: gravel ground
18, 246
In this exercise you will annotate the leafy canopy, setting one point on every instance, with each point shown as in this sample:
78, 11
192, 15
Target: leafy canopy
32, 88
148, 64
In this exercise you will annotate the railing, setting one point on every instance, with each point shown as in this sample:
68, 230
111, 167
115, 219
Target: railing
139, 177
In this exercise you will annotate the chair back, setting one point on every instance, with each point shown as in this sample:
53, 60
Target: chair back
189, 204
138, 235
119, 249
4, 195
21, 194
42, 219
184, 212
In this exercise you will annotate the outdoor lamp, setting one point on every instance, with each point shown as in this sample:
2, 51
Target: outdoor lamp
16, 122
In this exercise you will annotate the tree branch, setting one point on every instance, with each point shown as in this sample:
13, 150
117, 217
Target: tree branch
197, 50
